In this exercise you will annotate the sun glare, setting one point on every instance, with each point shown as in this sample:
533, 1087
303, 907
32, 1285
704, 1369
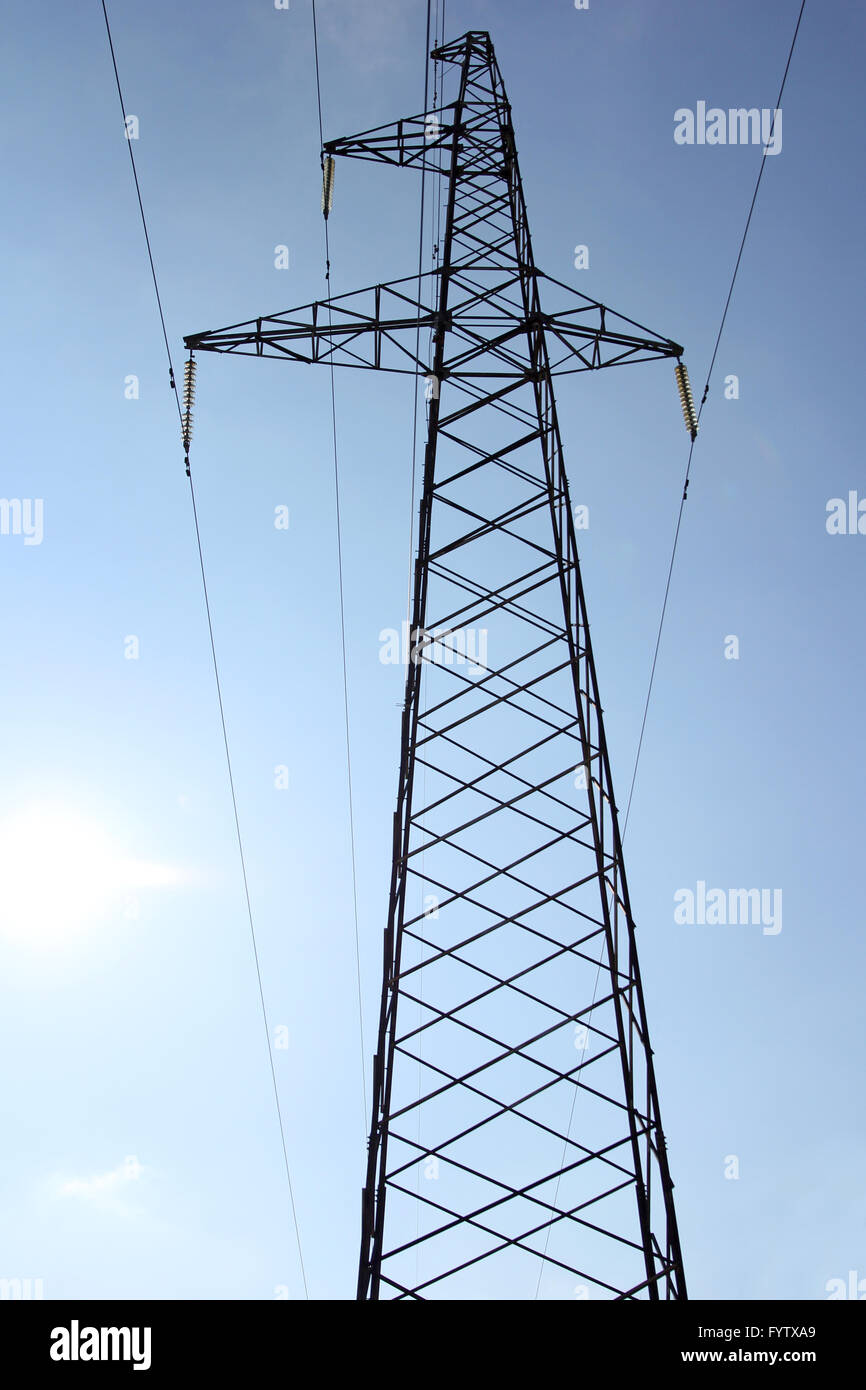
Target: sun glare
61, 872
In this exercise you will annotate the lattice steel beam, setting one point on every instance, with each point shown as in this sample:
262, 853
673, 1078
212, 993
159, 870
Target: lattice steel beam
510, 939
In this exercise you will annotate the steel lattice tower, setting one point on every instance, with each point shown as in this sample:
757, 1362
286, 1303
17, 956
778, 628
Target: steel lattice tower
515, 1114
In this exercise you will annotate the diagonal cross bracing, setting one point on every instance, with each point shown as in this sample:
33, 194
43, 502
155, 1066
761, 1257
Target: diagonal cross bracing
515, 1113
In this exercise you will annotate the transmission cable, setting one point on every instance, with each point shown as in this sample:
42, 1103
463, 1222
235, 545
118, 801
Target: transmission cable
668, 585
181, 416
422, 943
339, 529
700, 412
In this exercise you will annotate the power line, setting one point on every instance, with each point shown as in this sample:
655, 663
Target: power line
660, 627
342, 608
216, 678
172, 382
418, 334
422, 942
700, 412
668, 586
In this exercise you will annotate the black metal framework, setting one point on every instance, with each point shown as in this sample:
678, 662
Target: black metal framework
515, 1115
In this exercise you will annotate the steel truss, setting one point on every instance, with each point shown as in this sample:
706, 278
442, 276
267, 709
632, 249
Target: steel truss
515, 1114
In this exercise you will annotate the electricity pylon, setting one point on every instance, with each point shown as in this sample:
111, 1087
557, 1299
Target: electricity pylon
515, 1122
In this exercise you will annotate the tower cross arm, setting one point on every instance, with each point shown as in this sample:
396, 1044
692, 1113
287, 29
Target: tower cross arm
584, 346
405, 143
588, 335
376, 328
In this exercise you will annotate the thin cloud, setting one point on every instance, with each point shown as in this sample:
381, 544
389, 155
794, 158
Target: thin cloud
102, 1186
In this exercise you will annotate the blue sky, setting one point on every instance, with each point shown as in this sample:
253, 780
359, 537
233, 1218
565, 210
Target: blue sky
130, 1021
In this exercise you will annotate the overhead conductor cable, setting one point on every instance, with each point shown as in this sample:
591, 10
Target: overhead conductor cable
185, 417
